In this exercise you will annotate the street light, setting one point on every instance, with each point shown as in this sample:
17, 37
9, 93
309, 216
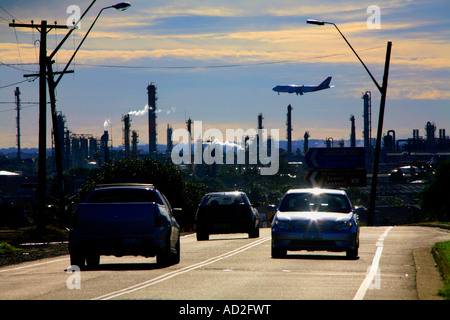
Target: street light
122, 6
383, 91
321, 23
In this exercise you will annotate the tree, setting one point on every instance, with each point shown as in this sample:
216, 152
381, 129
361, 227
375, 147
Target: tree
434, 199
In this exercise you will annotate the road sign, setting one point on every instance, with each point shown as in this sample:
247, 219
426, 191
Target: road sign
337, 177
335, 158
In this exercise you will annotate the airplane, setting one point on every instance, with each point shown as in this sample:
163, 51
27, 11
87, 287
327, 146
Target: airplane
300, 90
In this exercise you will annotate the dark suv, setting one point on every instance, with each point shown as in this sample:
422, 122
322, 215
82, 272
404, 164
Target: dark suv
227, 212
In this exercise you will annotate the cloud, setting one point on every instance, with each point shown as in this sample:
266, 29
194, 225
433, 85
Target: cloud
139, 37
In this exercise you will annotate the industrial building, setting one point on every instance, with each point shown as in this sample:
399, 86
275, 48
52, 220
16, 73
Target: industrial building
81, 150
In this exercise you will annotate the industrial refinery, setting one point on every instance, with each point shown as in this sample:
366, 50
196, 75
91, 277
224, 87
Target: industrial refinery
90, 150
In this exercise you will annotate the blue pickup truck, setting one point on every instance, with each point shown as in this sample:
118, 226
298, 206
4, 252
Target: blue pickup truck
124, 219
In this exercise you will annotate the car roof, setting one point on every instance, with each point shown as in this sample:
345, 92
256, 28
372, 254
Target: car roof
125, 185
316, 190
225, 192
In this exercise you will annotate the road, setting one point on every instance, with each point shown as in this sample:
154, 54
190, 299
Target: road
238, 268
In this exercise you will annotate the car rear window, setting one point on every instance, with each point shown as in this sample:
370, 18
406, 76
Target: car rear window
322, 202
123, 195
224, 199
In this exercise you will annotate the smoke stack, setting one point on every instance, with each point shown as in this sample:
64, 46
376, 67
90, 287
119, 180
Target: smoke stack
169, 139
134, 144
367, 133
151, 90
126, 134
289, 131
352, 132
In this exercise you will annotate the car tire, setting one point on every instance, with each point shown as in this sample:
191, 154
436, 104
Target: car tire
163, 257
254, 233
93, 260
175, 257
278, 252
352, 254
201, 236
77, 259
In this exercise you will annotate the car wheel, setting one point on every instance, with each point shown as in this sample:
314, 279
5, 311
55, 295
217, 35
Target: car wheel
202, 236
352, 254
176, 256
278, 252
163, 257
93, 259
254, 233
77, 259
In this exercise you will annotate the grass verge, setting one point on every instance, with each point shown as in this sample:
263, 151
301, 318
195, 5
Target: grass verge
441, 253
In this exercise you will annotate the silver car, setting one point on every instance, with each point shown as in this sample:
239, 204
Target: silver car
315, 219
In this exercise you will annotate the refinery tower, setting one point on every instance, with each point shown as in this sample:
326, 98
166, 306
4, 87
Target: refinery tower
151, 89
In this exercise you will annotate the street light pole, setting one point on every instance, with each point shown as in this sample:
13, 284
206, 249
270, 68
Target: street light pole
373, 190
383, 91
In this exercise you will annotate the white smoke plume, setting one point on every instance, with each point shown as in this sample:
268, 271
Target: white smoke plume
139, 112
107, 123
171, 110
146, 108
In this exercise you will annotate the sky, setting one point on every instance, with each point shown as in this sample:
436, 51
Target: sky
217, 62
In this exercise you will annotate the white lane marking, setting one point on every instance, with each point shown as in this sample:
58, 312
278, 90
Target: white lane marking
175, 273
373, 268
33, 265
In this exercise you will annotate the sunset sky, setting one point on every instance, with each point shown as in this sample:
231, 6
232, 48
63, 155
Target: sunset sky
217, 62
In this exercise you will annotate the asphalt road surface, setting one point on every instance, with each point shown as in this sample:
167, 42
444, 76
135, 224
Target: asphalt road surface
237, 268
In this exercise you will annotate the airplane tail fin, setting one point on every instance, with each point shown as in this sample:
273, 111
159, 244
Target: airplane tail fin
325, 83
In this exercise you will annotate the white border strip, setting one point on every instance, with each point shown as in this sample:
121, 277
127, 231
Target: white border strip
373, 268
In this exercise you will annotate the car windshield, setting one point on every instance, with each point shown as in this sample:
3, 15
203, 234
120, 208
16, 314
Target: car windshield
123, 195
323, 202
225, 199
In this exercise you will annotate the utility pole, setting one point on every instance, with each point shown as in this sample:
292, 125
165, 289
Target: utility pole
43, 29
46, 74
289, 132
376, 162
17, 94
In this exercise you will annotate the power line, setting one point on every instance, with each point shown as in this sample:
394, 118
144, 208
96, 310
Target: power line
9, 14
32, 105
236, 65
13, 84
221, 66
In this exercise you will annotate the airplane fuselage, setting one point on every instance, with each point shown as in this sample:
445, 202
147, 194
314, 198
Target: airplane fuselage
295, 89
301, 89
